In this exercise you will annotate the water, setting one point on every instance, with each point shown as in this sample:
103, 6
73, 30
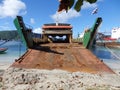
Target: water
15, 50
106, 53
110, 56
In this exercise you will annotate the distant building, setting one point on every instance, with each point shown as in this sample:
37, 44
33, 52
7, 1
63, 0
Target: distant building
115, 33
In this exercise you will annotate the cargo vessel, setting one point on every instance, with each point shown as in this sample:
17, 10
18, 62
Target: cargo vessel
51, 53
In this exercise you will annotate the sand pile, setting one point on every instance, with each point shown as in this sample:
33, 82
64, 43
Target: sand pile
36, 79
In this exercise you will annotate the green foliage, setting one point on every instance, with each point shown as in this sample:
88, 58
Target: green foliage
71, 3
9, 35
78, 5
67, 4
78, 40
91, 1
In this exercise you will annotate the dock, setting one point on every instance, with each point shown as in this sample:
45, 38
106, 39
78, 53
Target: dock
72, 57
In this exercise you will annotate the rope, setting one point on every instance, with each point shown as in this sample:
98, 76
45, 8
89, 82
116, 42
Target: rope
112, 53
109, 50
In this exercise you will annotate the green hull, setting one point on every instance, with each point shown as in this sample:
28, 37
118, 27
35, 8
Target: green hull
25, 33
90, 34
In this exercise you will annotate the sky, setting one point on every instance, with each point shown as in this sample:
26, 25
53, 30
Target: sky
35, 13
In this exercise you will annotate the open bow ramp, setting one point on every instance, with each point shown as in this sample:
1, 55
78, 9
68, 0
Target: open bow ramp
70, 57
65, 56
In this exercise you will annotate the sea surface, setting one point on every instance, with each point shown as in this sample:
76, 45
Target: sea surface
14, 51
110, 56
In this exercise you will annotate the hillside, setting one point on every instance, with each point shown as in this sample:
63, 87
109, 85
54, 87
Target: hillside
9, 35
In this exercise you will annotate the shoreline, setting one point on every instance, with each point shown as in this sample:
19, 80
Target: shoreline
30, 79
5, 65
114, 66
39, 79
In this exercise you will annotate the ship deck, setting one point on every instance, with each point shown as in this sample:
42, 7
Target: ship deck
64, 56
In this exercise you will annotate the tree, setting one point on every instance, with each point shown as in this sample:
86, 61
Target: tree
67, 4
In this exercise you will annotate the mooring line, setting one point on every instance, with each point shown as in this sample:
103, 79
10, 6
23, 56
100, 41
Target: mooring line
112, 53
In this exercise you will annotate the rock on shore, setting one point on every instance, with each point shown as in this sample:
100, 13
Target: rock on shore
36, 79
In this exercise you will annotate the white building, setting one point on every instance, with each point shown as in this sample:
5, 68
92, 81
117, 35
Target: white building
115, 33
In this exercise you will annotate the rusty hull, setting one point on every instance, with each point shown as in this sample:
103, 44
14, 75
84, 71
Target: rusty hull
65, 56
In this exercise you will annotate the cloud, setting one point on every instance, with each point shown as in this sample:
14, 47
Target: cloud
37, 30
64, 17
32, 21
87, 5
5, 26
11, 8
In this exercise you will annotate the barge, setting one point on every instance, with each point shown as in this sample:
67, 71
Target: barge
44, 53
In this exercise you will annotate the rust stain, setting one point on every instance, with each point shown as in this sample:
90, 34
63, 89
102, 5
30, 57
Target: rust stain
70, 57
